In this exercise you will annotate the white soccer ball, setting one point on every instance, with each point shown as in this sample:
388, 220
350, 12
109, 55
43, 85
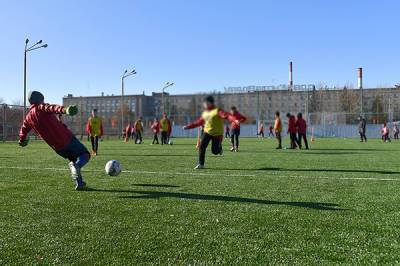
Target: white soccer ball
113, 168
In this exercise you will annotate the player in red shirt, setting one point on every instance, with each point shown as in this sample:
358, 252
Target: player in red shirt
292, 130
301, 126
155, 127
42, 119
235, 128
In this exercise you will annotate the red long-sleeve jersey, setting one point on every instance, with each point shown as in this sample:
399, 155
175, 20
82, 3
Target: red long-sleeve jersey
239, 117
292, 125
211, 126
41, 119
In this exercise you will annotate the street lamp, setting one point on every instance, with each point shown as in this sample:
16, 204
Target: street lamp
37, 45
125, 75
168, 84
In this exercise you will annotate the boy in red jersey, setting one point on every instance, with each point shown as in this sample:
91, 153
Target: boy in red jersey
235, 128
155, 127
212, 119
42, 119
292, 130
301, 126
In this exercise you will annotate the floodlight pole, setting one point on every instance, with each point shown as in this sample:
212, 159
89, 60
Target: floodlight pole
124, 76
26, 50
168, 84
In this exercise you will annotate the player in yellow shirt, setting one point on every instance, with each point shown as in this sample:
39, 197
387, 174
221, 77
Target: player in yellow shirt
138, 130
165, 129
212, 119
95, 130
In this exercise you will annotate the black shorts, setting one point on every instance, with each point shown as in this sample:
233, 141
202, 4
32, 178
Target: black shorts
235, 132
74, 149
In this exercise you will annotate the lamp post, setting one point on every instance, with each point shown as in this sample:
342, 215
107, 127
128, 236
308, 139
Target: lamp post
167, 85
124, 76
37, 45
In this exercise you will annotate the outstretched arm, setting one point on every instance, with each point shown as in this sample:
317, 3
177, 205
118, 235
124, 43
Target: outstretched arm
51, 108
228, 116
199, 122
23, 133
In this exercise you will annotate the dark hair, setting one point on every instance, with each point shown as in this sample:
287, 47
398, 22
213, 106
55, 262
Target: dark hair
288, 115
299, 115
233, 108
95, 110
277, 113
209, 99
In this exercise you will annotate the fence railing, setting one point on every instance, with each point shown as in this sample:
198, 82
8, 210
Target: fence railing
320, 124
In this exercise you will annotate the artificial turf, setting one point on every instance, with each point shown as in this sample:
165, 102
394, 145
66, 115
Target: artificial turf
336, 203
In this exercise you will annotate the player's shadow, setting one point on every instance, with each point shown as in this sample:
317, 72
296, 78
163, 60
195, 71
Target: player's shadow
275, 169
156, 185
150, 155
204, 197
325, 170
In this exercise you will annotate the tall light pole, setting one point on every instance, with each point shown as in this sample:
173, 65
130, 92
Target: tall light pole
167, 85
124, 76
37, 45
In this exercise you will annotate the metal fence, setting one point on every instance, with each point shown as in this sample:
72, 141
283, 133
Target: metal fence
11, 117
320, 124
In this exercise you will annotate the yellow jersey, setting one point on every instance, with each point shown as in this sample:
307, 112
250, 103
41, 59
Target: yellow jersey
164, 125
213, 123
95, 126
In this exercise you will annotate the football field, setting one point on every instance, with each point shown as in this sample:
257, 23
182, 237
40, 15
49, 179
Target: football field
336, 203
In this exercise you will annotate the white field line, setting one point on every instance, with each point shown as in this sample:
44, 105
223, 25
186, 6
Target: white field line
204, 174
126, 171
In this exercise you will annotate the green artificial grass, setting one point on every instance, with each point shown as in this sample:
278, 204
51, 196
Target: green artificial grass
336, 203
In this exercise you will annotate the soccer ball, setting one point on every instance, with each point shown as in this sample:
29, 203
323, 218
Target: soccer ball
170, 142
113, 168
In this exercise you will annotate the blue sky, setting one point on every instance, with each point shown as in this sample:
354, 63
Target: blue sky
200, 45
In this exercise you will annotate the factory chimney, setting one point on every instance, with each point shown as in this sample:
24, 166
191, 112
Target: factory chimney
290, 75
360, 78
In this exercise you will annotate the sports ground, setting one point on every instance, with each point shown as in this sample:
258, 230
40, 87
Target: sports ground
336, 203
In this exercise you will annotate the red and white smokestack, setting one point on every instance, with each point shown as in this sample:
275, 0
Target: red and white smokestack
291, 75
360, 78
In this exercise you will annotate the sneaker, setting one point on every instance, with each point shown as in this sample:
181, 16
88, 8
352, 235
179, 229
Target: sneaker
232, 149
236, 150
75, 171
80, 184
199, 166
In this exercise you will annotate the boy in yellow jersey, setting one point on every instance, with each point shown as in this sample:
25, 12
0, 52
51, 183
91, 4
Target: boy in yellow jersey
95, 130
138, 130
278, 130
165, 129
212, 119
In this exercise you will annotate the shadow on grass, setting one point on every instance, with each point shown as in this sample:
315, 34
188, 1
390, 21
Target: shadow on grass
190, 196
312, 170
150, 155
156, 185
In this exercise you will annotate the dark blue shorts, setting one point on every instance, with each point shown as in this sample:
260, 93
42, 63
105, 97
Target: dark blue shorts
73, 150
235, 131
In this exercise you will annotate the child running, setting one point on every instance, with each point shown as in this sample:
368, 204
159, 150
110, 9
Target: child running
213, 120
95, 130
42, 119
235, 128
155, 127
